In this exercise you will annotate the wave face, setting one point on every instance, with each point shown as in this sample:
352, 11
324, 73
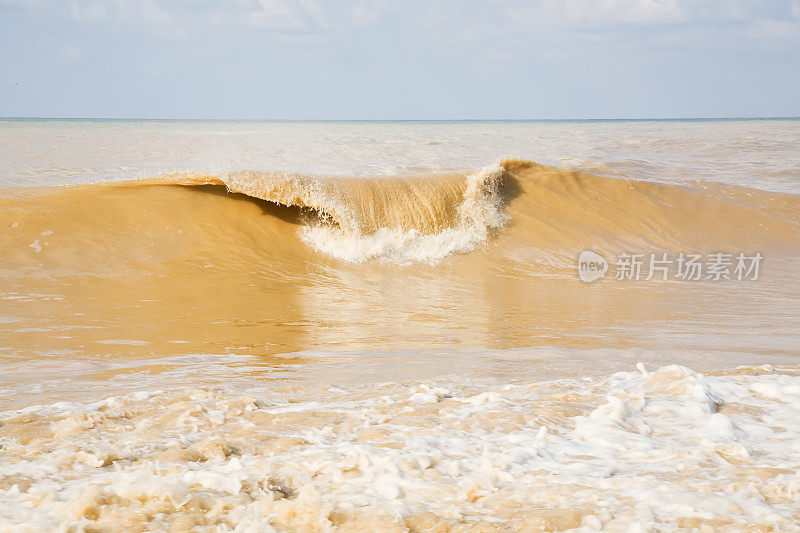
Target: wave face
280, 262
549, 211
402, 219
426, 218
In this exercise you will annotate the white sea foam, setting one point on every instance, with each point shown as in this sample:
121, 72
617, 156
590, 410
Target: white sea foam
480, 212
647, 450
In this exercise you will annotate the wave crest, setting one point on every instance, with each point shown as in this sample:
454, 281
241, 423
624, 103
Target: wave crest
423, 218
548, 216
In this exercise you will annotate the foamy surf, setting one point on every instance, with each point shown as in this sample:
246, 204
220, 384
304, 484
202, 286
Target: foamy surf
395, 353
663, 449
479, 212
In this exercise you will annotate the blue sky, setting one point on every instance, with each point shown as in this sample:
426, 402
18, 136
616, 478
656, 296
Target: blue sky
415, 59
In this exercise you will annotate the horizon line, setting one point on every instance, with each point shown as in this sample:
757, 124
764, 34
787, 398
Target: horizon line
377, 120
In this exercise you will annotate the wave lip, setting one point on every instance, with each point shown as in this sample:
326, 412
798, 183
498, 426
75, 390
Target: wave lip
415, 219
480, 212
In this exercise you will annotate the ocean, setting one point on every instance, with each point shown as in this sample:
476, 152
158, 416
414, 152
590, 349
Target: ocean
399, 326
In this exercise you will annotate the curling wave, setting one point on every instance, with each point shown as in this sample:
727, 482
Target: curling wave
276, 263
530, 213
421, 218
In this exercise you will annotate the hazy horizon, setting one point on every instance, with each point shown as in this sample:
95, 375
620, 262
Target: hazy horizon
390, 120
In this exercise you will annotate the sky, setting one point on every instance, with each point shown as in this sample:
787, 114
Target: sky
412, 59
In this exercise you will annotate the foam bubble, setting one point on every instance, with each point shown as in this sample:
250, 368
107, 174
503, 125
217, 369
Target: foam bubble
666, 449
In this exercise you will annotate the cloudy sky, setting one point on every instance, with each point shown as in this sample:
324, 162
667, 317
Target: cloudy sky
400, 59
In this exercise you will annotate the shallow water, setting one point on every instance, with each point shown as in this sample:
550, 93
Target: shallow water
309, 326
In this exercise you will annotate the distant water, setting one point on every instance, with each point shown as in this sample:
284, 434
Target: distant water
752, 153
381, 326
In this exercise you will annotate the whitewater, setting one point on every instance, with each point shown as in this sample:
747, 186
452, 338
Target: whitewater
246, 326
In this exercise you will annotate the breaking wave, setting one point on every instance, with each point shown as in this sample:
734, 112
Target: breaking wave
402, 219
534, 213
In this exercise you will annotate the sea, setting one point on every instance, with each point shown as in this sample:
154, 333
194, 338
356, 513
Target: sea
399, 326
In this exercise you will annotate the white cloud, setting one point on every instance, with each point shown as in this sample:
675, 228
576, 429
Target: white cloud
90, 11
468, 20
774, 29
146, 11
273, 13
70, 52
603, 12
286, 15
24, 4
366, 13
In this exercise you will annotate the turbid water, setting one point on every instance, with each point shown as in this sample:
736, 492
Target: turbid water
381, 326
